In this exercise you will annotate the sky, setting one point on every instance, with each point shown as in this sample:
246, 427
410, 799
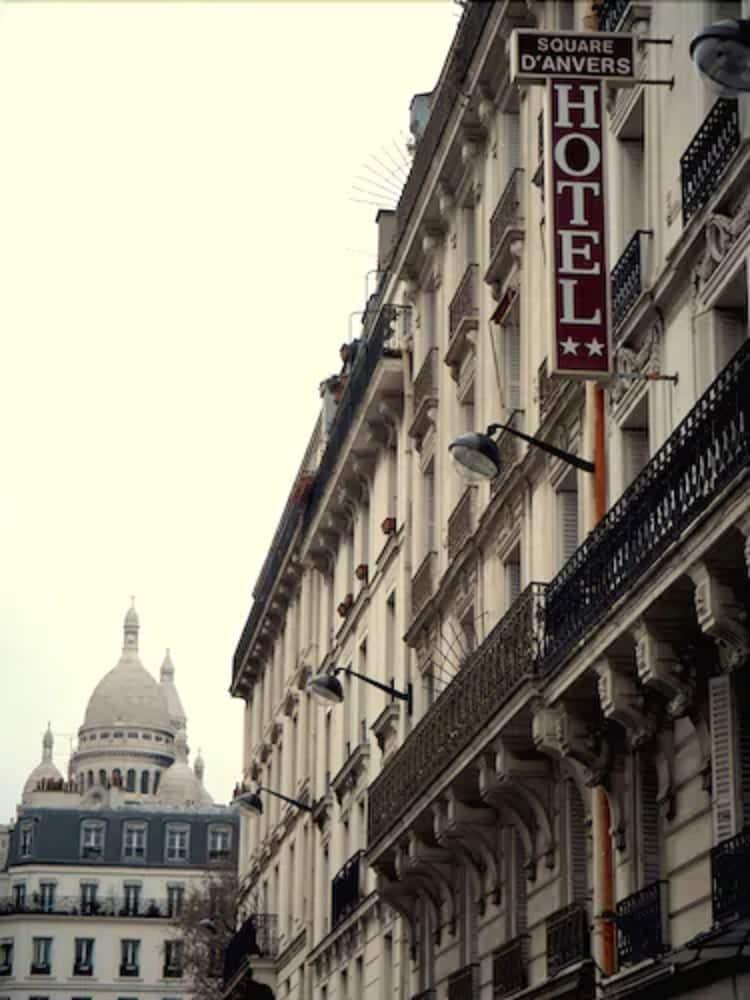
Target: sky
180, 255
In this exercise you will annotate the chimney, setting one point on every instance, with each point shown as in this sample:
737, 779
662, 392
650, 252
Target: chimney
386, 223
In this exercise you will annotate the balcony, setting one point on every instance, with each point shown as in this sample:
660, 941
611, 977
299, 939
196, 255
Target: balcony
40, 969
425, 394
423, 583
463, 315
703, 455
567, 938
83, 969
462, 985
128, 970
491, 674
509, 968
611, 13
6, 970
109, 906
347, 888
707, 156
643, 924
506, 227
730, 886
627, 279
257, 937
461, 522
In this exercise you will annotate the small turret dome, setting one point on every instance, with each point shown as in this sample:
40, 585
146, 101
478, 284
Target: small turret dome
44, 771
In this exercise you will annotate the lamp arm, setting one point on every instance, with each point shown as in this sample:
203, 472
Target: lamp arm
280, 795
565, 456
404, 696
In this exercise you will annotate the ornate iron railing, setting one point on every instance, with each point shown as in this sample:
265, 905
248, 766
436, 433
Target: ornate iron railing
479, 690
461, 522
567, 937
425, 384
642, 924
423, 583
107, 906
509, 967
509, 210
464, 305
707, 156
347, 889
258, 936
611, 13
468, 34
627, 279
462, 985
730, 886
704, 453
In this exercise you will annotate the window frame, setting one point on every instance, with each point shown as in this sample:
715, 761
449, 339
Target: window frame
178, 888
83, 968
177, 829
134, 827
41, 968
173, 959
7, 945
130, 947
26, 839
214, 854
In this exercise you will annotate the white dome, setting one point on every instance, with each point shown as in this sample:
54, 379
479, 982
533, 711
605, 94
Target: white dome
44, 771
179, 785
128, 695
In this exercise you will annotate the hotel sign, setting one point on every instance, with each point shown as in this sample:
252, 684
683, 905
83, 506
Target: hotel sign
575, 196
538, 56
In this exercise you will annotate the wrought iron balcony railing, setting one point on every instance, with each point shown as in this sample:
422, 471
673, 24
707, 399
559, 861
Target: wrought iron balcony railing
425, 391
701, 457
642, 924
423, 583
461, 522
462, 985
491, 674
108, 906
567, 937
627, 279
730, 886
509, 967
129, 970
347, 888
506, 226
463, 310
707, 156
257, 937
611, 13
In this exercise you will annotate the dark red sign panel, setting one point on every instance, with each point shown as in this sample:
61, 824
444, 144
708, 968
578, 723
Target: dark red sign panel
537, 56
575, 196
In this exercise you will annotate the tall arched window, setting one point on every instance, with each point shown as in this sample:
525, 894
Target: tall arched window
117, 778
144, 782
131, 780
103, 777
90, 779
157, 776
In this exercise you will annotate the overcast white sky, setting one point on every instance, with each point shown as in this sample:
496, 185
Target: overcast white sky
179, 256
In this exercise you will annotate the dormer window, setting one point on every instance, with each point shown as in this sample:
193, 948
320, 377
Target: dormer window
92, 839
26, 838
134, 842
178, 842
219, 843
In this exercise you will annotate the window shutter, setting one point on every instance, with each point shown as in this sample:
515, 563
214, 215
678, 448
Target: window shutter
578, 853
429, 510
742, 691
512, 143
724, 758
649, 820
512, 581
568, 523
636, 454
512, 346
519, 885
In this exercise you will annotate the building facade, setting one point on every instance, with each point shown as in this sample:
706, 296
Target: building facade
553, 800
99, 863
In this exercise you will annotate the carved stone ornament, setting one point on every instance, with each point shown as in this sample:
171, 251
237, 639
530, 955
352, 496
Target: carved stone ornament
643, 360
722, 232
722, 616
622, 701
661, 669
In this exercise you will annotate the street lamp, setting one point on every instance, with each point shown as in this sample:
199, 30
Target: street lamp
252, 801
721, 52
477, 456
326, 688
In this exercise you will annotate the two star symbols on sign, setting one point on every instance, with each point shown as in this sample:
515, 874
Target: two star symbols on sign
595, 347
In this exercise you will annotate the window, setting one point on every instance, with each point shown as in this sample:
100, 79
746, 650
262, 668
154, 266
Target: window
41, 956
567, 517
103, 777
129, 955
84, 957
512, 577
178, 842
131, 900
157, 777
219, 843
27, 839
92, 839
19, 896
89, 902
6, 958
175, 899
47, 897
144, 782
172, 959
130, 785
117, 778
134, 842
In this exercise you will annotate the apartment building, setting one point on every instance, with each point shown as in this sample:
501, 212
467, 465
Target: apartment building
531, 776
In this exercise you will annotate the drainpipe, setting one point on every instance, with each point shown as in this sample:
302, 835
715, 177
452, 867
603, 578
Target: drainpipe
604, 882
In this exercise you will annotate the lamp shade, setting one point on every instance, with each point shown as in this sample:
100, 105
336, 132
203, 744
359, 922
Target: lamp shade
326, 688
250, 801
476, 456
721, 53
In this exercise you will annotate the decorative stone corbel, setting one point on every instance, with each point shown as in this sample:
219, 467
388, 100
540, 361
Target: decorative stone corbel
744, 525
424, 888
446, 201
544, 732
660, 668
431, 240
530, 781
437, 864
447, 839
721, 616
403, 903
476, 829
486, 108
664, 762
622, 701
580, 741
494, 793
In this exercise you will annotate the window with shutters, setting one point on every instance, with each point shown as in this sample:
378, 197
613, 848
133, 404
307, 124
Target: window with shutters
729, 705
511, 353
429, 509
567, 519
512, 576
516, 881
576, 844
634, 431
647, 819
